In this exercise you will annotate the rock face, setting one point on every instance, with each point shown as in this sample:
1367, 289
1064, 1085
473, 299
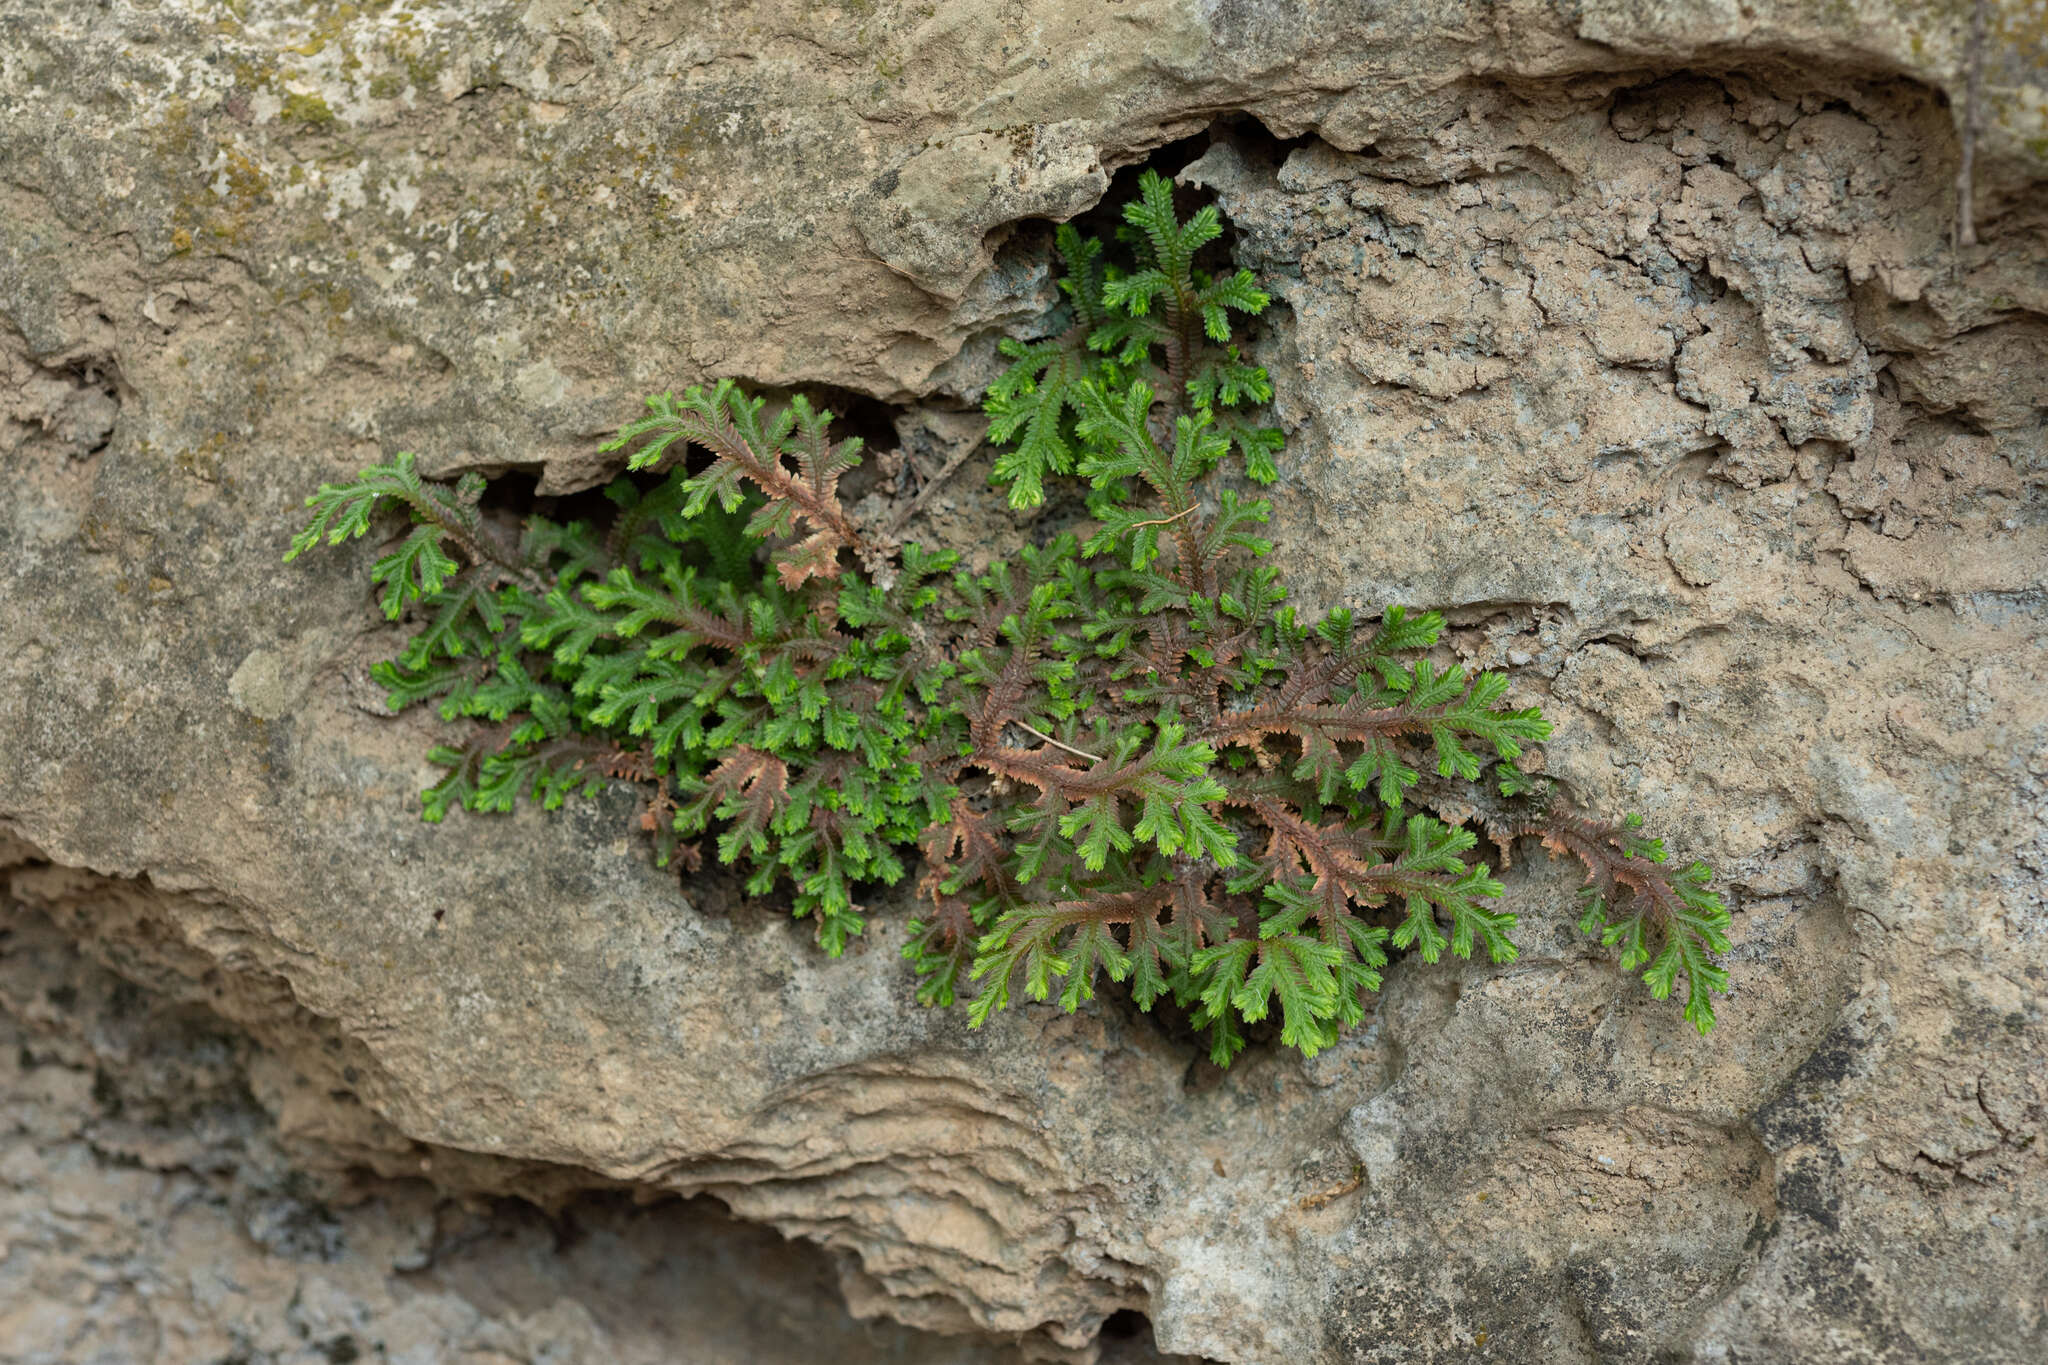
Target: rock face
1631, 335
160, 1202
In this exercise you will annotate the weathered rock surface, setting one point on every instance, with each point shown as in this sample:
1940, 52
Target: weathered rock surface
159, 1201
1631, 335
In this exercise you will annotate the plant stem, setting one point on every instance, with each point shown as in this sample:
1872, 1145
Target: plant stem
1078, 753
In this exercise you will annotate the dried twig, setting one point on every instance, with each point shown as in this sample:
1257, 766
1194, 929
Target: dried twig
1166, 521
902, 518
1078, 753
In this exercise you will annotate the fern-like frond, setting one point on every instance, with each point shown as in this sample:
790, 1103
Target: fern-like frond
1034, 403
728, 424
1633, 900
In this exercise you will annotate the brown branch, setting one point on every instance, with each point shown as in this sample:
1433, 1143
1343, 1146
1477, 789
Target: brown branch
708, 626
1165, 521
1325, 723
778, 481
1603, 850
1003, 697
1078, 753
1026, 765
479, 546
931, 485
1187, 538
1180, 353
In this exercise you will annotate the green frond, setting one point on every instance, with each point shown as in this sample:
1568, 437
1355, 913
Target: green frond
341, 511
1034, 403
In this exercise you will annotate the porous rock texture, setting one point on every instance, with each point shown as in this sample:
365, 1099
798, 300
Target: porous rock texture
172, 1192
1632, 334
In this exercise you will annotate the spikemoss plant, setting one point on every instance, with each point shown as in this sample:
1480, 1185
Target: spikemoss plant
1120, 755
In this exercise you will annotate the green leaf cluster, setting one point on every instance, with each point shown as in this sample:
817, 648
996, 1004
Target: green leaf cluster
1156, 323
1119, 755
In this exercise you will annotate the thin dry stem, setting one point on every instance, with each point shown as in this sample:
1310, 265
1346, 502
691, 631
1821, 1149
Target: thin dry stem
916, 504
1078, 753
1166, 521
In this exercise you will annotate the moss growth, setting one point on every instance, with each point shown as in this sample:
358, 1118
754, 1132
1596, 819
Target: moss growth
307, 109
